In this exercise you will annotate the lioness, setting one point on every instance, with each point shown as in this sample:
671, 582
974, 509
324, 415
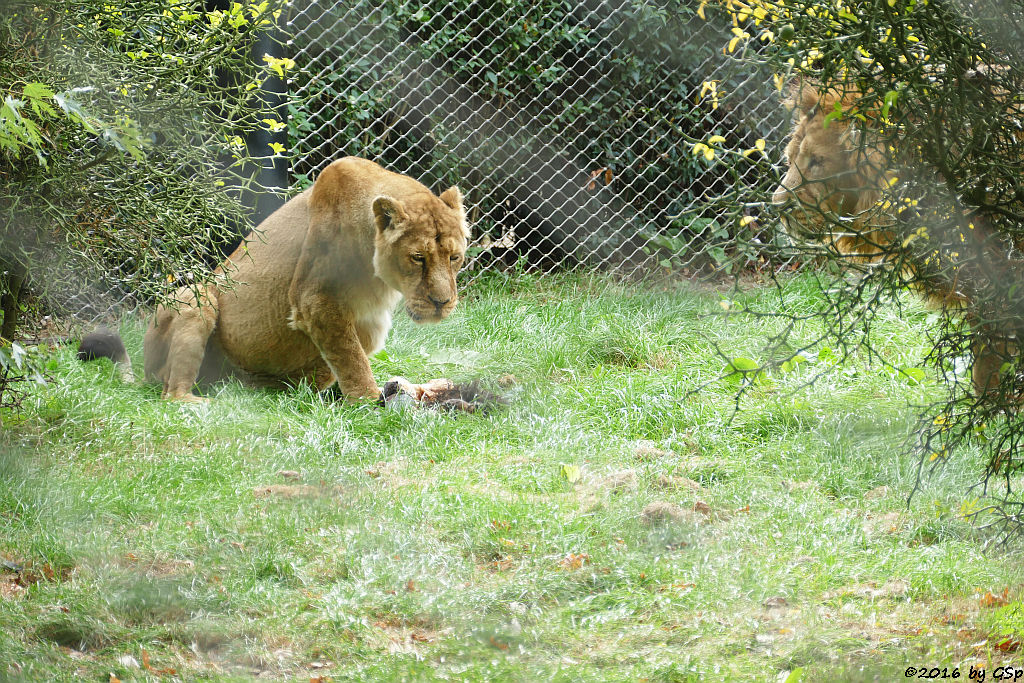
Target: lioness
314, 291
832, 193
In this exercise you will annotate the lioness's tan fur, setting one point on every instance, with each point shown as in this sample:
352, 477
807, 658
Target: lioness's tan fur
315, 286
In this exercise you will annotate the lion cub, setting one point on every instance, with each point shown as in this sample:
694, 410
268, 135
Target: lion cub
315, 286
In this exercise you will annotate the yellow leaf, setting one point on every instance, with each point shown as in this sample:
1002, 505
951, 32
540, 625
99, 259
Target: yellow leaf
276, 146
715, 139
571, 473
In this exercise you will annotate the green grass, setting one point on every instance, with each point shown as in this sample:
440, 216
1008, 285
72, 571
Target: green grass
414, 545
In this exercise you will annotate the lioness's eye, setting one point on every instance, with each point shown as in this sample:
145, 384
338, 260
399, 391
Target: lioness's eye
456, 258
418, 258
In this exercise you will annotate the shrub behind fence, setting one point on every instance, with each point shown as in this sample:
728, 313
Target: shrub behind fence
570, 126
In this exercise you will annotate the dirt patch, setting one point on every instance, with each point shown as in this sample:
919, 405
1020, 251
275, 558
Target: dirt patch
621, 480
889, 523
648, 450
405, 636
296, 491
16, 576
877, 493
671, 483
893, 588
158, 567
11, 587
661, 512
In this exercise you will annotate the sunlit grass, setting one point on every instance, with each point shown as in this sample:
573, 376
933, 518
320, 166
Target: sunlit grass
284, 535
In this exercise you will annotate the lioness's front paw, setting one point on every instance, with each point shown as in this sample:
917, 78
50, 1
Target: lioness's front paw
187, 398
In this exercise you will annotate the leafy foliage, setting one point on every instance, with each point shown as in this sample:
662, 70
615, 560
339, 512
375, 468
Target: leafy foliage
121, 132
20, 367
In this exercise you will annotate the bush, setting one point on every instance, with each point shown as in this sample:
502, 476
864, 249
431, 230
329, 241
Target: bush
122, 156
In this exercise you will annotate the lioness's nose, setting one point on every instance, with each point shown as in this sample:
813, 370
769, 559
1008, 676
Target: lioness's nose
437, 302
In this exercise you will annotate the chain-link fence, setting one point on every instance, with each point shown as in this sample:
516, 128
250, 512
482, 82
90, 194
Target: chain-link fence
575, 130
571, 127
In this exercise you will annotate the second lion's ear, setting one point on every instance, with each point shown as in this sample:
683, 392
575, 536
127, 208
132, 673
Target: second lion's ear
387, 213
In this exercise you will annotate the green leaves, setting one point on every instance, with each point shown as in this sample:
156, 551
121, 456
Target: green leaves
888, 102
571, 473
744, 370
747, 371
792, 364
74, 109
17, 133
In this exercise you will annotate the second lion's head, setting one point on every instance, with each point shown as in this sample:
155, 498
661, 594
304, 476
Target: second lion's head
834, 176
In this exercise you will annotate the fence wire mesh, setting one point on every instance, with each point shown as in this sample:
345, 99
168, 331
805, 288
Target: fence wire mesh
569, 126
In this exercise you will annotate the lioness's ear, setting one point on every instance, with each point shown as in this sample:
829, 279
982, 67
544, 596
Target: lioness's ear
387, 212
453, 198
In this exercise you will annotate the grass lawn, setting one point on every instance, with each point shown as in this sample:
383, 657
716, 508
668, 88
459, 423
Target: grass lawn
607, 525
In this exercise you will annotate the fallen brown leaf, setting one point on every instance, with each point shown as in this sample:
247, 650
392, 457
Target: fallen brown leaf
169, 671
1008, 645
989, 599
574, 561
502, 565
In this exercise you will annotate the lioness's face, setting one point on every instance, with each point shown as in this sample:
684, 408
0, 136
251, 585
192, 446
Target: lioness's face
822, 177
421, 245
